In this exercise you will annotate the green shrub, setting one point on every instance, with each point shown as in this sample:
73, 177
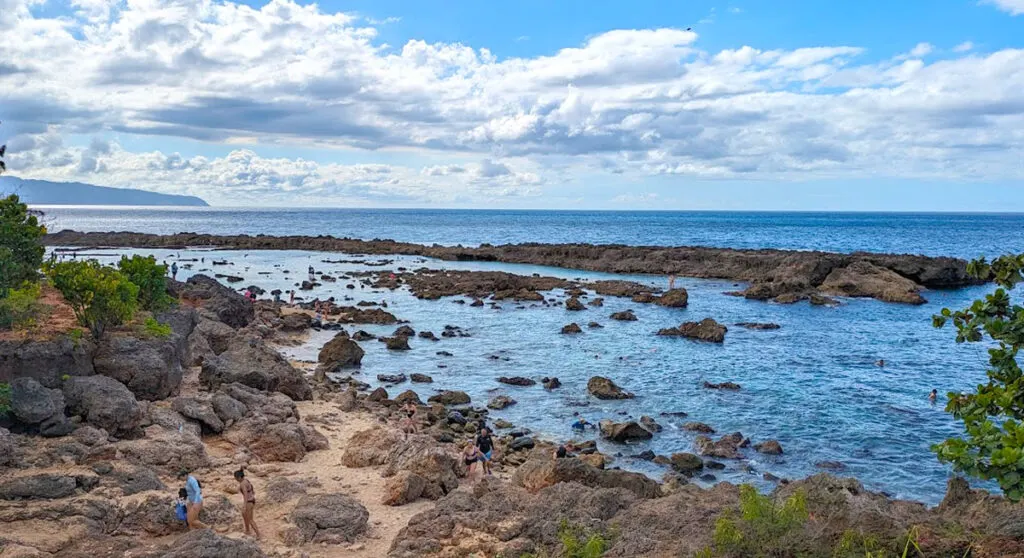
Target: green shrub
156, 329
100, 296
76, 336
5, 399
762, 528
151, 278
21, 252
578, 542
21, 307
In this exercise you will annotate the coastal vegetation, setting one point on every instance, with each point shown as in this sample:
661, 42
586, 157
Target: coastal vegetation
992, 447
151, 278
100, 296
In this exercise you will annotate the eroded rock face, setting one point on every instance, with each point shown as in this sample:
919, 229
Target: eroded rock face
33, 404
865, 279
604, 388
328, 519
403, 488
252, 363
229, 306
540, 471
726, 447
46, 361
38, 487
150, 368
103, 402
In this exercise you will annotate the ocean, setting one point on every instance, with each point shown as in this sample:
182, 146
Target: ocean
963, 235
813, 384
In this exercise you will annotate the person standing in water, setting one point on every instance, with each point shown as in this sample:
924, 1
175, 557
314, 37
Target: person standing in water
174, 270
671, 282
933, 395
248, 502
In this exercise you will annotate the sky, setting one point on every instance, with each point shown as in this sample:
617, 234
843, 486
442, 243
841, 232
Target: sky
697, 104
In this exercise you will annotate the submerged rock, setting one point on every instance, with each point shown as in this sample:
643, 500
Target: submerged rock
624, 316
571, 329
675, 298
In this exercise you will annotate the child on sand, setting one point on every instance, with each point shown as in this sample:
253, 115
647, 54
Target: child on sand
248, 502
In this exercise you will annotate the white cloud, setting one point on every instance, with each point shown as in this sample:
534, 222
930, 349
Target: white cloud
1013, 7
965, 46
921, 49
630, 103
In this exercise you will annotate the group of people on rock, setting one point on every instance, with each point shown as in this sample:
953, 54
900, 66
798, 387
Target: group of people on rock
190, 502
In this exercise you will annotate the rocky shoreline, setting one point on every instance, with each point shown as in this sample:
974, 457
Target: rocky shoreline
100, 429
779, 275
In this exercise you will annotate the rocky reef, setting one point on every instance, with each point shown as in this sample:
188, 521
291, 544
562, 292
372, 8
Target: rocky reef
781, 275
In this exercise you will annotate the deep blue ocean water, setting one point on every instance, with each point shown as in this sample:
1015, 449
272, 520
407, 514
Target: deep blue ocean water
813, 384
961, 235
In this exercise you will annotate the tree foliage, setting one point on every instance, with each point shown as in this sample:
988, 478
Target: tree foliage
21, 307
151, 278
21, 252
100, 296
992, 447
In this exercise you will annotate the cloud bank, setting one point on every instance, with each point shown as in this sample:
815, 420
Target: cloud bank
626, 103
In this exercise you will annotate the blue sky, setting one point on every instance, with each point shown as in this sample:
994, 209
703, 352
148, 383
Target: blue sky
783, 105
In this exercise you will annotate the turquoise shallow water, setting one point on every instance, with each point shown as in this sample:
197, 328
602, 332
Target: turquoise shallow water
812, 384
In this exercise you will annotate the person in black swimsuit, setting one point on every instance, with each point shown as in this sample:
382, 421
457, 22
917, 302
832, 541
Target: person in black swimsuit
470, 456
485, 444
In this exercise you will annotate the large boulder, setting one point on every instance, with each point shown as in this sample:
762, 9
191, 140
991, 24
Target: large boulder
47, 361
38, 487
286, 442
149, 367
298, 321
604, 388
217, 335
449, 397
403, 488
328, 519
540, 471
200, 410
33, 404
251, 362
166, 451
103, 402
204, 543
623, 431
674, 298
704, 330
340, 352
574, 304
726, 447
432, 462
624, 316
864, 279
229, 307
686, 463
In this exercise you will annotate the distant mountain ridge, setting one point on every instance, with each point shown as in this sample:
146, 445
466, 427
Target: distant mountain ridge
44, 192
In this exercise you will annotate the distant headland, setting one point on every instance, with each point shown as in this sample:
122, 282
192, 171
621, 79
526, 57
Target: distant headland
43, 192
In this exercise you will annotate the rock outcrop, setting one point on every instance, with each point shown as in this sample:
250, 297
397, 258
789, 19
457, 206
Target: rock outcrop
150, 368
340, 352
705, 330
204, 291
865, 279
604, 388
104, 403
251, 362
46, 360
